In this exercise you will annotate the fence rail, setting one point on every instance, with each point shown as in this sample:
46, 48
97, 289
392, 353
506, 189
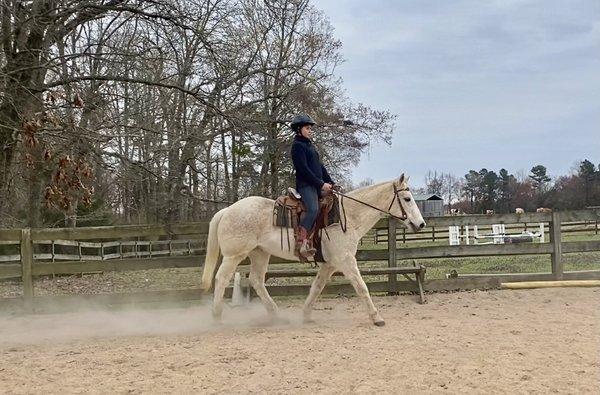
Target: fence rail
160, 253
432, 233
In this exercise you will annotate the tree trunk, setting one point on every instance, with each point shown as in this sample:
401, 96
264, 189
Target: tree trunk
8, 132
71, 215
34, 200
226, 168
274, 161
234, 169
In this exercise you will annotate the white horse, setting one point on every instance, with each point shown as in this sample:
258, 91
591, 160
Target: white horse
245, 229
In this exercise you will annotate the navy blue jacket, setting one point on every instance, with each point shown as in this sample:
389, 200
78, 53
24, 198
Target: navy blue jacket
309, 169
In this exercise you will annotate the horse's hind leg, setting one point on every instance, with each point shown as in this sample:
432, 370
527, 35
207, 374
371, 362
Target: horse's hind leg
259, 262
351, 272
222, 279
323, 275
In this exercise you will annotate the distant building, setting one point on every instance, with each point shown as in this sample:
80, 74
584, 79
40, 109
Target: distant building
431, 205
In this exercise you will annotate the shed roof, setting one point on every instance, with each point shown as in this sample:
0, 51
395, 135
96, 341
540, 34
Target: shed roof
427, 196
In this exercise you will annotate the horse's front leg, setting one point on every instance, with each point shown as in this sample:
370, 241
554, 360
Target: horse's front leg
323, 276
351, 272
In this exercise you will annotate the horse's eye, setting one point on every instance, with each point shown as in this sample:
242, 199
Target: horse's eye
407, 199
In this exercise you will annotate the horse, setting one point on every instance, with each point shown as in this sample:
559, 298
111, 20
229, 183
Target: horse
245, 229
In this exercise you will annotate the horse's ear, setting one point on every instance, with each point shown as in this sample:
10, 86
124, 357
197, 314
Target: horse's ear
401, 179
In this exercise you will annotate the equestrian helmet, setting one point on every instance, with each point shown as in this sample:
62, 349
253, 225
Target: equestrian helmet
301, 120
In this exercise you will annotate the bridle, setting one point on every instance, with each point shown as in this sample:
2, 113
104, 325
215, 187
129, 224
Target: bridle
396, 197
403, 216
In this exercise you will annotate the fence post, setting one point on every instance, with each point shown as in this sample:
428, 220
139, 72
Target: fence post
433, 233
555, 239
392, 279
26, 263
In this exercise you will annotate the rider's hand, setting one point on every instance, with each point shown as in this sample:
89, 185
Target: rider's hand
327, 187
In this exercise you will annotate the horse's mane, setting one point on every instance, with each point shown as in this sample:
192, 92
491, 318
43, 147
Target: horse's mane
362, 189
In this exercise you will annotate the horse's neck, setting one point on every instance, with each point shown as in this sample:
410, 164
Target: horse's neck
360, 217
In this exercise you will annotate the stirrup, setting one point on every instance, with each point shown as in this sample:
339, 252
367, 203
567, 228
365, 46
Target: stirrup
307, 251
304, 252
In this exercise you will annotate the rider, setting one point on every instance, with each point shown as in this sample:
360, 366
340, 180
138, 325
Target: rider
312, 179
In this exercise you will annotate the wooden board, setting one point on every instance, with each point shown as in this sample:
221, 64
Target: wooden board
74, 267
474, 250
10, 271
114, 232
10, 234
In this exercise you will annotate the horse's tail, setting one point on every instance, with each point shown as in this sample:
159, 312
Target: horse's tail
212, 252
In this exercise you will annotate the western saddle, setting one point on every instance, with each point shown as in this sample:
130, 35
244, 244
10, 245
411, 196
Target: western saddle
289, 209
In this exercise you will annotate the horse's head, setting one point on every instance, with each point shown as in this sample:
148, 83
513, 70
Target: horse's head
406, 208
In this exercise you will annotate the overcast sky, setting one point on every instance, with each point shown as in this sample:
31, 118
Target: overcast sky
475, 84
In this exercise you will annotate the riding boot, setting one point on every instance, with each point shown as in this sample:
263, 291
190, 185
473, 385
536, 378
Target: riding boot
303, 248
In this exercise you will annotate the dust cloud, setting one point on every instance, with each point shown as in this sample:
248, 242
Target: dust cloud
102, 323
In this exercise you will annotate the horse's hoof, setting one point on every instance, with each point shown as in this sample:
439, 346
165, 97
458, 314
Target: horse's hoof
217, 319
307, 318
379, 323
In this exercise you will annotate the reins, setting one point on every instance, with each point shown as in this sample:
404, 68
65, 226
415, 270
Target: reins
396, 191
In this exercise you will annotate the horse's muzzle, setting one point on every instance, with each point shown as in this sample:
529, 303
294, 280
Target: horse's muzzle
415, 228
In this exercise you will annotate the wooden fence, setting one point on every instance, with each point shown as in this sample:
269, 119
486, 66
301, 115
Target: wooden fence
178, 246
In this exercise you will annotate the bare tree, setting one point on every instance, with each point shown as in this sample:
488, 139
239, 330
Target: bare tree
159, 110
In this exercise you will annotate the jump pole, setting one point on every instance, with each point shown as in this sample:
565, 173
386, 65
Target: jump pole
550, 284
